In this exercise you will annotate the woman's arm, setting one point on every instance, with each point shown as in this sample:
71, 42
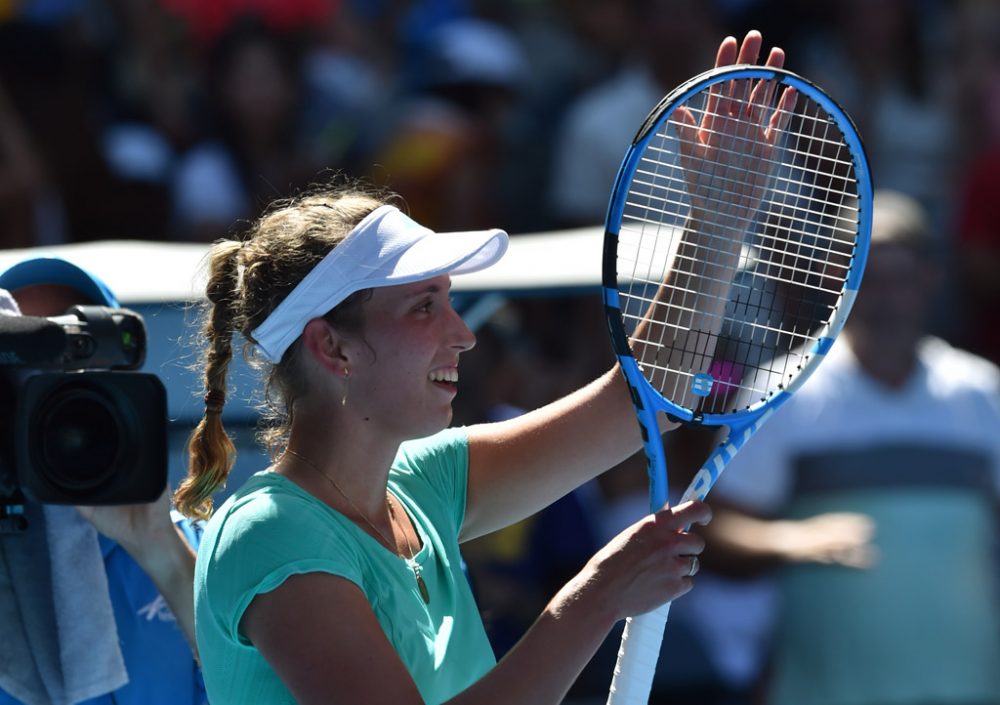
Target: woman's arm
319, 634
520, 466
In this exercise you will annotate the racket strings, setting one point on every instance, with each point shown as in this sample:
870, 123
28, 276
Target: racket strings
762, 271
835, 269
803, 209
772, 163
723, 195
767, 282
747, 326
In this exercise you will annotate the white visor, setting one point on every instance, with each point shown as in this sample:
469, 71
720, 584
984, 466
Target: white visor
387, 248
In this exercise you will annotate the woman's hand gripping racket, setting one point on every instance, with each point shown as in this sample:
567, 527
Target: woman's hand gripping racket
735, 242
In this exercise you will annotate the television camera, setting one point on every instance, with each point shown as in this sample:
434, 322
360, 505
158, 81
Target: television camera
77, 424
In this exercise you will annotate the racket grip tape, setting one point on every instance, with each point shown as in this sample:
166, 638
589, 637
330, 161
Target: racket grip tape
637, 657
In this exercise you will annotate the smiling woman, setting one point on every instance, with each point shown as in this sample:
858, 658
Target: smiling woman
334, 575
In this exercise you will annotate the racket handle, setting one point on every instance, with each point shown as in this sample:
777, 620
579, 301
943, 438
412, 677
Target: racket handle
637, 657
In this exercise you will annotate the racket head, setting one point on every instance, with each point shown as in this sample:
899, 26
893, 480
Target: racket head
800, 262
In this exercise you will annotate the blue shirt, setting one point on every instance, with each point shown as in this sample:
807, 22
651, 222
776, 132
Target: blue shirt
161, 668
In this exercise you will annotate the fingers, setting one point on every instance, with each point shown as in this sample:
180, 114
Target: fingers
719, 104
653, 561
776, 59
684, 515
715, 105
684, 547
750, 49
763, 92
743, 93
727, 52
846, 539
782, 114
749, 53
860, 557
687, 129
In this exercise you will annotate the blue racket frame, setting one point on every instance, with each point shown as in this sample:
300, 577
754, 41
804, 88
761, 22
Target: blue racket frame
635, 668
646, 399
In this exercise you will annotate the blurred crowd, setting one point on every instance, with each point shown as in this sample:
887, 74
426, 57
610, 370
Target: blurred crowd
180, 120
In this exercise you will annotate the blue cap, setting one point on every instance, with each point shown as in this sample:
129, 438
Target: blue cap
53, 270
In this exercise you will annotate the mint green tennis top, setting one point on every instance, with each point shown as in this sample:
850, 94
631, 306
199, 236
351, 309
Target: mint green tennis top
271, 529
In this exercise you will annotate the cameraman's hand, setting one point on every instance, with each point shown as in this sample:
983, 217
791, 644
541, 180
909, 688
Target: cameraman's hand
137, 527
149, 535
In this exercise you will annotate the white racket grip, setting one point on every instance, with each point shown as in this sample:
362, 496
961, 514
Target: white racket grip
637, 657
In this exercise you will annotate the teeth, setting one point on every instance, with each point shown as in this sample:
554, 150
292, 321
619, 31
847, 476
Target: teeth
450, 375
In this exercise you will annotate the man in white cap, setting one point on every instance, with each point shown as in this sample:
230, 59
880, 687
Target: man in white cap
900, 427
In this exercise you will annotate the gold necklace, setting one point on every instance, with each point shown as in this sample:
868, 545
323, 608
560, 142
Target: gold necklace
410, 561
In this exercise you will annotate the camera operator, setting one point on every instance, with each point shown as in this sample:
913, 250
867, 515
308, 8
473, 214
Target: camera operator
94, 617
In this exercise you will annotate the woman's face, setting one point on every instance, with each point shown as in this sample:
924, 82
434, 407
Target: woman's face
404, 369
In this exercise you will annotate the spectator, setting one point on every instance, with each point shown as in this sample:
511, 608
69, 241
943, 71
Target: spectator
672, 43
22, 178
900, 427
977, 238
256, 151
888, 63
445, 150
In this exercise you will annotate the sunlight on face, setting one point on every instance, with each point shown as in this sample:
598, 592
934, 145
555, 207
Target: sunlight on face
406, 371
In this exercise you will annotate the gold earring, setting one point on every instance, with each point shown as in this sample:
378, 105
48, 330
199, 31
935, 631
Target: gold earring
343, 399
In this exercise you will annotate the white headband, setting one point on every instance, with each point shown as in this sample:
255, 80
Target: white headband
385, 249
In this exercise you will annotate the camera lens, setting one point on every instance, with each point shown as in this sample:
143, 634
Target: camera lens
92, 437
79, 439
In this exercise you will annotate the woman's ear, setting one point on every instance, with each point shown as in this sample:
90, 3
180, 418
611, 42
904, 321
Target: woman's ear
325, 345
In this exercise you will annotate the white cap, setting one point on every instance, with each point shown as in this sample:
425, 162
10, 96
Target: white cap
387, 248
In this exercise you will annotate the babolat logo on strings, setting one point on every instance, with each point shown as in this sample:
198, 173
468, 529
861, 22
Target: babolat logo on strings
701, 384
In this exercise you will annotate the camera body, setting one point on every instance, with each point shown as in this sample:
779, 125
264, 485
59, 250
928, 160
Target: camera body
77, 424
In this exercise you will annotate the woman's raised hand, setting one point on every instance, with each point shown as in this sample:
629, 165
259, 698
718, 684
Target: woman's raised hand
725, 155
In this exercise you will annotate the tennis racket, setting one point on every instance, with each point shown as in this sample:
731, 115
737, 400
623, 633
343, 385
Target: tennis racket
735, 241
